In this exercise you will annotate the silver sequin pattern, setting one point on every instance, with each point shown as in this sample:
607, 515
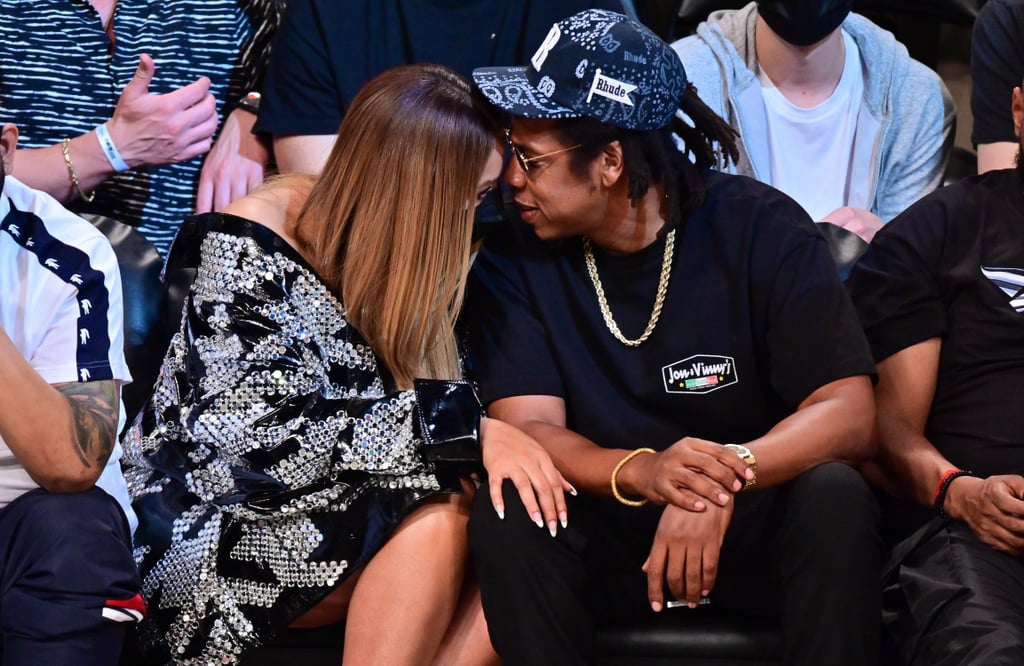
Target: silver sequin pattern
274, 400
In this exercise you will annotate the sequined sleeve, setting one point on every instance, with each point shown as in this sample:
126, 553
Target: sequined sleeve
271, 461
267, 393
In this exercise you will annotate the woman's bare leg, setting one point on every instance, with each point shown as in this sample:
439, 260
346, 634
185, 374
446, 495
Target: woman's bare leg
467, 642
331, 609
407, 594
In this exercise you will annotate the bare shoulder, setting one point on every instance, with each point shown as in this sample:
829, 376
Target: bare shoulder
263, 205
274, 204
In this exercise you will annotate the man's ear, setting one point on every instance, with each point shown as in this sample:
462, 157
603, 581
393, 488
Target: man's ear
612, 165
8, 144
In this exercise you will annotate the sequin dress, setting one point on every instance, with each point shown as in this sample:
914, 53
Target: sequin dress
272, 459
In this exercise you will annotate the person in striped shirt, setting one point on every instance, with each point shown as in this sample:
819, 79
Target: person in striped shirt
120, 101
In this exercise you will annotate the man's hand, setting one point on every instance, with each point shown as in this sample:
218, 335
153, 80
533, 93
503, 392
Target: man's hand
862, 222
993, 508
234, 166
685, 554
161, 129
686, 474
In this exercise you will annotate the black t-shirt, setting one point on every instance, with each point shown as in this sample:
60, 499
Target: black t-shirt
952, 266
997, 66
327, 49
755, 319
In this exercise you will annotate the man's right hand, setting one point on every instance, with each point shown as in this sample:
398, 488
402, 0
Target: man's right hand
993, 508
686, 474
161, 129
685, 554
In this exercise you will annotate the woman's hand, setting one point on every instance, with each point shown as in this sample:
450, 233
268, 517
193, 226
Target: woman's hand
509, 453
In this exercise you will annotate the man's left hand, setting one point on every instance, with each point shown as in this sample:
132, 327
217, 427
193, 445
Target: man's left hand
685, 554
862, 222
235, 164
992, 508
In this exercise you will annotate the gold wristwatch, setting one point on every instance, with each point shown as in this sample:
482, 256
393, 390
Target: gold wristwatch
747, 457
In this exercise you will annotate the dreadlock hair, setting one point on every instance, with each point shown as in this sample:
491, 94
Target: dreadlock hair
656, 156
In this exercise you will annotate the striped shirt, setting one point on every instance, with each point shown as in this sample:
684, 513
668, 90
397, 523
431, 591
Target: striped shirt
60, 303
59, 77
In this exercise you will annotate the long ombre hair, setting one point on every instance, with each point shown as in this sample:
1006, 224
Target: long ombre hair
389, 220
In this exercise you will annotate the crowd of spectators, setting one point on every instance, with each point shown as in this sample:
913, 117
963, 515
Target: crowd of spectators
648, 387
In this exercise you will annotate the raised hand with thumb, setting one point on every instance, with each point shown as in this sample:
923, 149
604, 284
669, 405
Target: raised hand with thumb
151, 129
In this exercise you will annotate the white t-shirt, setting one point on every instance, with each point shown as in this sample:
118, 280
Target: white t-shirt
61, 305
811, 149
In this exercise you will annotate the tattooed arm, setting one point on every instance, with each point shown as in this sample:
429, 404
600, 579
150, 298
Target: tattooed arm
62, 434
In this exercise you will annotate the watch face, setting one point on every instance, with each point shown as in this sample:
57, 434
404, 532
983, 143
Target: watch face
746, 456
741, 451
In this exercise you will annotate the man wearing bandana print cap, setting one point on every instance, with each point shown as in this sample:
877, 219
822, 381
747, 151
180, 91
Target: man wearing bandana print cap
830, 108
678, 340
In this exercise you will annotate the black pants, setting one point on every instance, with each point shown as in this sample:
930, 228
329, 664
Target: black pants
68, 585
807, 552
950, 600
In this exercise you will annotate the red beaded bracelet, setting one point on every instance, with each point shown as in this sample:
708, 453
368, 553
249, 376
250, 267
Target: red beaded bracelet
940, 492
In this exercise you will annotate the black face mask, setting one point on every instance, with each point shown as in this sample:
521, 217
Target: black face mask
804, 22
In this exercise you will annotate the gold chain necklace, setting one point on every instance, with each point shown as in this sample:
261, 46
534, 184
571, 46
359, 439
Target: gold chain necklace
659, 300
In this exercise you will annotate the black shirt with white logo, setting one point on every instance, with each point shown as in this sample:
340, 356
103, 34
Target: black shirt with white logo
755, 320
952, 266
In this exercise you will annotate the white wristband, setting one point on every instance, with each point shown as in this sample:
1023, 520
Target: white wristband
110, 150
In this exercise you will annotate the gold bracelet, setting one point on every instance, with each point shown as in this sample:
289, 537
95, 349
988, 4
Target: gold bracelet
65, 148
615, 474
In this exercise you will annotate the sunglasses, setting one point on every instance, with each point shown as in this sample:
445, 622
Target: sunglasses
524, 161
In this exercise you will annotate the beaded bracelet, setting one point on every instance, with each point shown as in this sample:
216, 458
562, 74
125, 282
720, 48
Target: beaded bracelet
943, 488
615, 474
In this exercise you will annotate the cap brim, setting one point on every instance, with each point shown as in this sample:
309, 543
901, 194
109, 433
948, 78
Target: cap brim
509, 88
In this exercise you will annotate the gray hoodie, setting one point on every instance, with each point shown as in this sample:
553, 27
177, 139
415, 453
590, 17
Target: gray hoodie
904, 129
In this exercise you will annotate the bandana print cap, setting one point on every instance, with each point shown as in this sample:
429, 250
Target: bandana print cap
596, 64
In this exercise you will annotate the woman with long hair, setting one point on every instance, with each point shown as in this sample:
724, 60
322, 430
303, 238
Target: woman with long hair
306, 454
